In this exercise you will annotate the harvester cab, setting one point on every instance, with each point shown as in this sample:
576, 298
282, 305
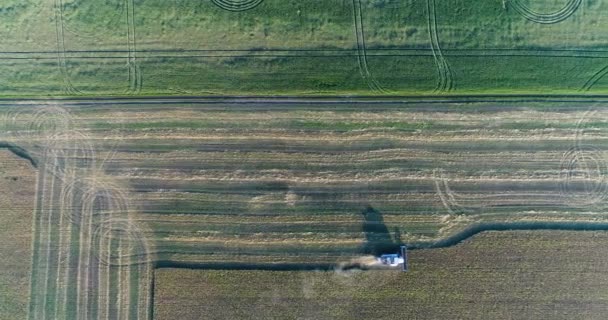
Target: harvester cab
395, 259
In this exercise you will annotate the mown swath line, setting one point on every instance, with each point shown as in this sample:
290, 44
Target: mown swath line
48, 288
89, 270
115, 238
65, 242
36, 245
114, 289
48, 242
134, 302
83, 263
546, 18
362, 48
445, 82
72, 285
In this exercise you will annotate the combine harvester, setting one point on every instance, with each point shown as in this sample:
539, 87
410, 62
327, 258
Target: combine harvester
394, 259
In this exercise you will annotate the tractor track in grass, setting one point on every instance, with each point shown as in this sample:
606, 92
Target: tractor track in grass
134, 75
587, 160
545, 18
49, 123
134, 71
61, 49
71, 201
599, 75
237, 5
97, 35
130, 258
46, 259
445, 82
101, 203
362, 59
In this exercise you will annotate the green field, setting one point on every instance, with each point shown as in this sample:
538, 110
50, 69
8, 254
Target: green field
334, 47
495, 275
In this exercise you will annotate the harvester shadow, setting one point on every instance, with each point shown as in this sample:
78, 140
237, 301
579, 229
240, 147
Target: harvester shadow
378, 239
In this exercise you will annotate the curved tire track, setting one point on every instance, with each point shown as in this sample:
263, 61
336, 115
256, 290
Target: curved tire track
546, 18
237, 5
372, 83
444, 72
134, 74
599, 75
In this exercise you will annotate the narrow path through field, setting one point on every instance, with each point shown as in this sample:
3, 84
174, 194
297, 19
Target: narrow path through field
373, 84
444, 72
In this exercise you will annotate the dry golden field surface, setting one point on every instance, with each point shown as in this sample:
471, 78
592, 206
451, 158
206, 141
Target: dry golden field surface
127, 186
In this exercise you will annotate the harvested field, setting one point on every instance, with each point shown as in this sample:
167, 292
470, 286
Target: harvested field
129, 185
259, 179
494, 275
17, 189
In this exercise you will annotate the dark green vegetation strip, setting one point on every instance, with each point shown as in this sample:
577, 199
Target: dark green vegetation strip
378, 47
